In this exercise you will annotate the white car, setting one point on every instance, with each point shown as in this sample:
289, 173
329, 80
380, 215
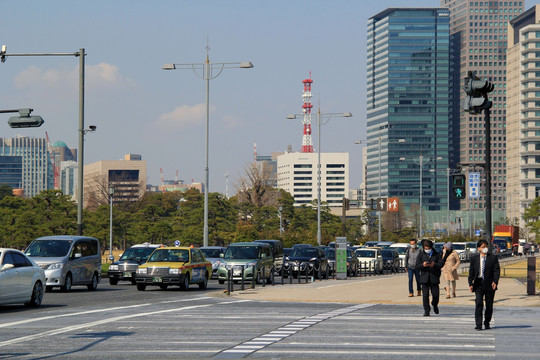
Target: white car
463, 249
21, 279
401, 249
370, 260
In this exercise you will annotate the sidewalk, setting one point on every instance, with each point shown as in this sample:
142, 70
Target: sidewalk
384, 290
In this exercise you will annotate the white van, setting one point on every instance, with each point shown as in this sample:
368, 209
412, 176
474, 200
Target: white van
67, 260
401, 249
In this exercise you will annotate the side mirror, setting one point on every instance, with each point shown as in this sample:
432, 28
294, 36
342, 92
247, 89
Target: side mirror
7, 267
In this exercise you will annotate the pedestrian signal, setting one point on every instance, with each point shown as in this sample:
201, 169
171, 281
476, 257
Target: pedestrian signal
458, 186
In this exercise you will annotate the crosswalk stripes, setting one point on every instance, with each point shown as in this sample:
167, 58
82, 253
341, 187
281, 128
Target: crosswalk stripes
272, 337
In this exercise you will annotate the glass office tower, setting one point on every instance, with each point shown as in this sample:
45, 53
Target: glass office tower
407, 107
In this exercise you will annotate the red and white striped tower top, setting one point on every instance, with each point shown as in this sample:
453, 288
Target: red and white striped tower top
307, 144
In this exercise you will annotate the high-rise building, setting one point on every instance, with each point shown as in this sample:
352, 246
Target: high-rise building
297, 174
478, 43
407, 107
27, 163
68, 175
268, 163
523, 113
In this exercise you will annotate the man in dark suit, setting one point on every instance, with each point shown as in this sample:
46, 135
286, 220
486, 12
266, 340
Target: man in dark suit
429, 262
484, 272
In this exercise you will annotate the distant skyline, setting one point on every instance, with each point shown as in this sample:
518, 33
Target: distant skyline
139, 108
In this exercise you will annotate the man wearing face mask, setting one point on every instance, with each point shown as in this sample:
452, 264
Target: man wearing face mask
429, 263
410, 266
484, 272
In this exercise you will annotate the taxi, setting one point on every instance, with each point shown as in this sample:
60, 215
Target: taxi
180, 266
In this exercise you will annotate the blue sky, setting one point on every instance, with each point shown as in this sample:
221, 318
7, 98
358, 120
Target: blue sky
140, 108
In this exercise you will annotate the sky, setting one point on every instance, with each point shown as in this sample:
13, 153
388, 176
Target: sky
139, 108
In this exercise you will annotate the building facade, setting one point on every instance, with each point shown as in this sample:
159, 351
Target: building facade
25, 164
523, 113
297, 174
478, 43
68, 175
127, 177
407, 107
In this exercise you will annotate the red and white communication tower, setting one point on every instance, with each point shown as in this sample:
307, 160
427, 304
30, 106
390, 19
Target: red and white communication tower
307, 144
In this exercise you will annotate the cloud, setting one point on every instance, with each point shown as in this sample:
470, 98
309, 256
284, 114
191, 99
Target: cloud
183, 117
97, 78
232, 121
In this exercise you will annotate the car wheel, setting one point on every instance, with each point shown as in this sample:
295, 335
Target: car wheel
185, 284
163, 287
93, 285
258, 279
67, 284
133, 281
141, 287
37, 295
113, 281
204, 283
318, 275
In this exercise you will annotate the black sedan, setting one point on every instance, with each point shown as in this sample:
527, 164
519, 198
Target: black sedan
306, 259
390, 259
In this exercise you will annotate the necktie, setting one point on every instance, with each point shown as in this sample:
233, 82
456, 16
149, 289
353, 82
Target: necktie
483, 267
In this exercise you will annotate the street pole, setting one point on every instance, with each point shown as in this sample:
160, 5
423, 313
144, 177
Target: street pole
487, 113
111, 192
319, 240
380, 228
421, 191
448, 201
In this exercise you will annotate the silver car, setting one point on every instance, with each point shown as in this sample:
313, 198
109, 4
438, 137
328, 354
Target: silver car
67, 260
21, 279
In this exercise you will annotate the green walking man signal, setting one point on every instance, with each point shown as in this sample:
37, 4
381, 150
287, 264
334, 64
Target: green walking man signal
458, 186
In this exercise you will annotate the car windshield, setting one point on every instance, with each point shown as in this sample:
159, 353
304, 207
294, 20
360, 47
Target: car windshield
242, 252
458, 246
400, 250
330, 253
169, 255
387, 254
305, 252
211, 253
500, 242
438, 247
365, 253
136, 254
49, 248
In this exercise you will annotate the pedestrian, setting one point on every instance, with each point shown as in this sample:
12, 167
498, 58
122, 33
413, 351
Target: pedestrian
484, 272
451, 263
430, 263
410, 266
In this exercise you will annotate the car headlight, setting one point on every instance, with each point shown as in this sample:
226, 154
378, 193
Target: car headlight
113, 267
55, 266
141, 270
222, 265
174, 271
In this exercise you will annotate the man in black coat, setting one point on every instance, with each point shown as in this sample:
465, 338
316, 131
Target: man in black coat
429, 262
484, 272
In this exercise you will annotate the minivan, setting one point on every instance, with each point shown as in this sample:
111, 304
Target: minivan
277, 252
67, 260
249, 257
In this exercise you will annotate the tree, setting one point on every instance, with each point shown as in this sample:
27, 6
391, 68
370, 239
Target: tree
5, 190
531, 215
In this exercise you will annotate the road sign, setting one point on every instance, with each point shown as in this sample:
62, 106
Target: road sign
176, 243
393, 204
474, 185
341, 258
382, 204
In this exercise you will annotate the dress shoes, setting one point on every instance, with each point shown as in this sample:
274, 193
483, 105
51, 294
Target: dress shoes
426, 314
487, 326
478, 328
435, 309
419, 293
411, 295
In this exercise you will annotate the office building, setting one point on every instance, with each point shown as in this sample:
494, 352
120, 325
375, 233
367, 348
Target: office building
407, 107
297, 174
67, 178
478, 43
523, 113
25, 164
127, 177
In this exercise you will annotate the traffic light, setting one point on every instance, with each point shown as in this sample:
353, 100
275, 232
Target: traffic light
25, 120
458, 186
477, 90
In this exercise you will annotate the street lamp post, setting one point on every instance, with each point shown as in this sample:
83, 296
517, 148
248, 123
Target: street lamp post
111, 193
210, 71
80, 158
319, 123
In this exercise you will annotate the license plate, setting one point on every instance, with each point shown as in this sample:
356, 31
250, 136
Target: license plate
237, 273
127, 274
156, 279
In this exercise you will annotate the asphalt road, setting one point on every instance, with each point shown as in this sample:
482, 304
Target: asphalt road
119, 322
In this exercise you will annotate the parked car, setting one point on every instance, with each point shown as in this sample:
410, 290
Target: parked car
67, 260
277, 252
438, 246
464, 250
180, 266
352, 263
401, 249
213, 254
330, 254
370, 243
390, 260
306, 258
384, 244
472, 246
286, 252
21, 279
126, 266
252, 257
370, 259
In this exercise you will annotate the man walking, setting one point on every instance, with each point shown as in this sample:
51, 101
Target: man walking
429, 262
484, 272
410, 266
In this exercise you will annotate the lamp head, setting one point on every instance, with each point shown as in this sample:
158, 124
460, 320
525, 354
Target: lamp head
246, 65
169, 67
